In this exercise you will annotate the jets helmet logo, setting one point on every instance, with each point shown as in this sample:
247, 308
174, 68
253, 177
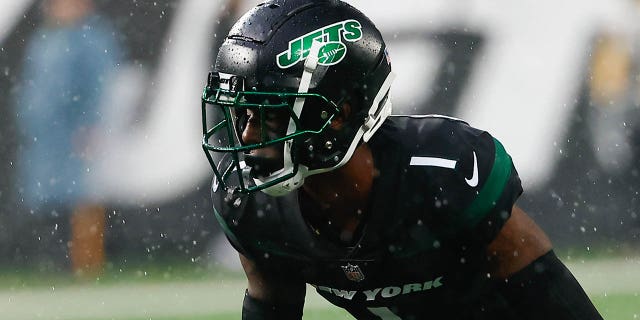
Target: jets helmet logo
332, 37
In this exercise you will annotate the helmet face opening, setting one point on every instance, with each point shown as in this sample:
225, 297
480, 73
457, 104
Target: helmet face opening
230, 113
282, 75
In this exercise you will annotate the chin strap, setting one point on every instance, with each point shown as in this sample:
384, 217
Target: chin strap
284, 187
310, 65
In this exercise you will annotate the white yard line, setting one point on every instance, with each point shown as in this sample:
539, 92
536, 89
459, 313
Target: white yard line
167, 299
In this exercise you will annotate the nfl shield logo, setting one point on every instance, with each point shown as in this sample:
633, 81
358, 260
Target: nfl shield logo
353, 272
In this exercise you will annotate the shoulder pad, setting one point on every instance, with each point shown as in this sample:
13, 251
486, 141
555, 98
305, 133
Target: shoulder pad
460, 173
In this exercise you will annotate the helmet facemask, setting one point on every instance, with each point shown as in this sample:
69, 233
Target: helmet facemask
224, 114
239, 165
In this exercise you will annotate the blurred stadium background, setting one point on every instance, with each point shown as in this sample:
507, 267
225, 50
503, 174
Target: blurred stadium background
558, 82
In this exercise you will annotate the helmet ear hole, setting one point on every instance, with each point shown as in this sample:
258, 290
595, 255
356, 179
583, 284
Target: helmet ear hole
341, 119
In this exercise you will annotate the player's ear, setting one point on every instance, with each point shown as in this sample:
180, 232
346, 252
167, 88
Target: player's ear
341, 118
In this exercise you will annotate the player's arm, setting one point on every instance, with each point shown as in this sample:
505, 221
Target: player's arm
534, 280
517, 245
270, 295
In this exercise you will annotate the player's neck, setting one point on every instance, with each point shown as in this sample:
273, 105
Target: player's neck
344, 192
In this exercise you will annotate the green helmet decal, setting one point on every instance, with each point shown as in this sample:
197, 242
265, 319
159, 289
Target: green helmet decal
333, 49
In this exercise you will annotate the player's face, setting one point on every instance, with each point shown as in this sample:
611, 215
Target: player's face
256, 130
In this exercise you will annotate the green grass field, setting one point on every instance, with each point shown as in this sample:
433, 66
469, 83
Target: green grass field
185, 294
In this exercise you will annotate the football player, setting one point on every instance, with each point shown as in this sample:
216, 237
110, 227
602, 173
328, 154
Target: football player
388, 217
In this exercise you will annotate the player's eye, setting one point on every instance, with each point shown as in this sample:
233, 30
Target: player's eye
242, 117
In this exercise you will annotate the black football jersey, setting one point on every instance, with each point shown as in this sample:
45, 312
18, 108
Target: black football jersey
443, 192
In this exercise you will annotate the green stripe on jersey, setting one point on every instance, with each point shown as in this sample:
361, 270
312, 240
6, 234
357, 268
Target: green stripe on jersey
492, 189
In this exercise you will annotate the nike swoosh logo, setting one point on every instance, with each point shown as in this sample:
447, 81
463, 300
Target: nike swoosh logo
473, 182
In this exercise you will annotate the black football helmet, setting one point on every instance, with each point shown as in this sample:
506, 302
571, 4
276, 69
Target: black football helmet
302, 60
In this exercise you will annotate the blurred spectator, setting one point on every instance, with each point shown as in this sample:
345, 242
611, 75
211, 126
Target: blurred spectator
611, 102
612, 121
67, 63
